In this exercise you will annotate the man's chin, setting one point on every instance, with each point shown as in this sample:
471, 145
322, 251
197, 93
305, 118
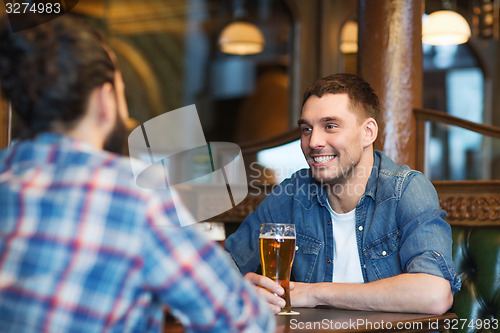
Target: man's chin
325, 176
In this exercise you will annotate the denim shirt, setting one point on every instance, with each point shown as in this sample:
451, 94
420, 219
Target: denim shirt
400, 227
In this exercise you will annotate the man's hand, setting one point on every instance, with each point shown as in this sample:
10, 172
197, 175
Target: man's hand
302, 295
269, 290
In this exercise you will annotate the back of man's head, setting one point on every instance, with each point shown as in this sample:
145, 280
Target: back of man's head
364, 102
48, 72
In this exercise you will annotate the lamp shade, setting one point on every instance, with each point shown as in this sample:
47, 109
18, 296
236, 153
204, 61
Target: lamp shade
241, 38
349, 37
445, 27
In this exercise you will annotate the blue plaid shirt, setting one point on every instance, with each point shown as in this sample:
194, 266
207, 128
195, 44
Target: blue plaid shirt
84, 249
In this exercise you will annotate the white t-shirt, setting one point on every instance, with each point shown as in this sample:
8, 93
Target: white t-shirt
346, 264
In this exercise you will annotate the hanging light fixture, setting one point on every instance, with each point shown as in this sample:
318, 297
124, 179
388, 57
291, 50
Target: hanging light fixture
349, 37
241, 38
445, 27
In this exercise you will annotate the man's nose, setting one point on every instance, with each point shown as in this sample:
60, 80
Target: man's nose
317, 139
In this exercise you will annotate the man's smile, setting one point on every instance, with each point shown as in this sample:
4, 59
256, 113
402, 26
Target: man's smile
323, 159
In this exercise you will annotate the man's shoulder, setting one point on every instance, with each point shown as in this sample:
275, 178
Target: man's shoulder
95, 161
393, 178
65, 160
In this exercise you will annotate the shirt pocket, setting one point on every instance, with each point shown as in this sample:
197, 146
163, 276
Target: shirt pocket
306, 255
383, 256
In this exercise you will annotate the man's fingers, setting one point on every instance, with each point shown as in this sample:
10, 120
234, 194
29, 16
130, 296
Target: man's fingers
275, 302
268, 290
265, 282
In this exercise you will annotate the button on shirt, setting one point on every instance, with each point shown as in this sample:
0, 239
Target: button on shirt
83, 249
401, 228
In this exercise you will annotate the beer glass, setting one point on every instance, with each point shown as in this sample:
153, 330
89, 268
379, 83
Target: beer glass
277, 250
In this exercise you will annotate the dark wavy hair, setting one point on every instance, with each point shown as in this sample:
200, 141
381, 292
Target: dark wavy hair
49, 71
364, 102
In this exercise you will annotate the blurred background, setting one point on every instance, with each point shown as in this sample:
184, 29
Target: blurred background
172, 54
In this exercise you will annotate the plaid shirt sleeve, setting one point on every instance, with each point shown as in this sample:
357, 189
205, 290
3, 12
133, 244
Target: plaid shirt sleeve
194, 277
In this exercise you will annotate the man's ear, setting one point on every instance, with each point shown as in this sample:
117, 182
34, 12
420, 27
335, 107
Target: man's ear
370, 132
106, 105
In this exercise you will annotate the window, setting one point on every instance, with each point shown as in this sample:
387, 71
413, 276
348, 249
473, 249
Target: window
454, 83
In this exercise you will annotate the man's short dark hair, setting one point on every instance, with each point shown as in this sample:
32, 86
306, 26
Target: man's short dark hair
364, 102
48, 72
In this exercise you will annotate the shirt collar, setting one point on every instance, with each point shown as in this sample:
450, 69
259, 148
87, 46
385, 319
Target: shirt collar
371, 185
53, 138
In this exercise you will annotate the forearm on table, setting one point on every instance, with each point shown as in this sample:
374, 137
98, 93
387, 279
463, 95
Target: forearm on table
419, 293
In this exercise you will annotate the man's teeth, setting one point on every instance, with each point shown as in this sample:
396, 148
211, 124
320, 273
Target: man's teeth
323, 159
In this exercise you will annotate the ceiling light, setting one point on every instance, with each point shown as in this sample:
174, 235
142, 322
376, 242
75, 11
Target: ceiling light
241, 38
349, 37
445, 27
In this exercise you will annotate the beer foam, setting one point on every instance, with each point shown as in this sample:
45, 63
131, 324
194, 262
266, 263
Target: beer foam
266, 236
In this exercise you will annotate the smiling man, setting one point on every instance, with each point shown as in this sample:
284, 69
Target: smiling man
370, 233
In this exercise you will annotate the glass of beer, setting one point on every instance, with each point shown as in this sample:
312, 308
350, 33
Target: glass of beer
277, 250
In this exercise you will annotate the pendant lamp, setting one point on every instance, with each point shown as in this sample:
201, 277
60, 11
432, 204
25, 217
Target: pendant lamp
241, 38
445, 27
349, 37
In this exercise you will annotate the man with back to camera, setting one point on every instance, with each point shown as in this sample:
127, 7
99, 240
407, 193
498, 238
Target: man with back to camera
370, 233
82, 248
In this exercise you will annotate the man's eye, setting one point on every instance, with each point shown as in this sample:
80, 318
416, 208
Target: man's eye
305, 129
331, 126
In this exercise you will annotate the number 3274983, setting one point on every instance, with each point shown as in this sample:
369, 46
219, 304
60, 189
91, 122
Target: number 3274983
477, 324
34, 8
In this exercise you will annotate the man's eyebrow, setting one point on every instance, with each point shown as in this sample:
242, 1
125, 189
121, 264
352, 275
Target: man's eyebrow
302, 122
326, 119
322, 120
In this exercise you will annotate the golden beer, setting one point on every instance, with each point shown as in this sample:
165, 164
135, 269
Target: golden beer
276, 255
